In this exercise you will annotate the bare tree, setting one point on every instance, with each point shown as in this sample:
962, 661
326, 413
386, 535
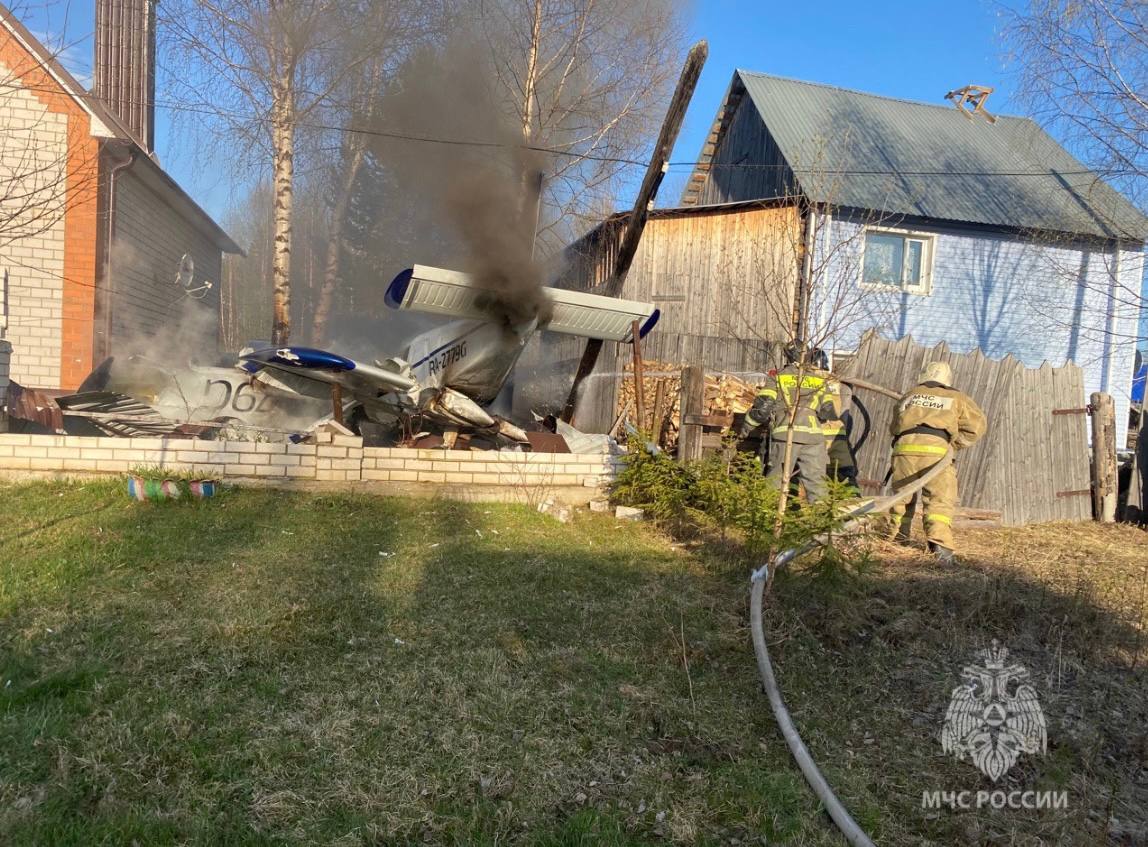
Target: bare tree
587, 78
48, 166
35, 188
259, 71
245, 292
804, 283
810, 283
356, 116
245, 288
1083, 73
352, 151
576, 76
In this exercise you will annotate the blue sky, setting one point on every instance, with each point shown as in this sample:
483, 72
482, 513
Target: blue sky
914, 50
917, 50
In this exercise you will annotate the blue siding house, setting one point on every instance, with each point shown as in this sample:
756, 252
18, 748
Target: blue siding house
926, 220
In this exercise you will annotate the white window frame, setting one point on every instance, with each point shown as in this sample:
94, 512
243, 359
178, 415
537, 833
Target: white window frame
928, 249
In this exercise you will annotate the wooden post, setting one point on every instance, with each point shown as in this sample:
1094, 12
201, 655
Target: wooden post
691, 406
1104, 484
1137, 507
639, 379
659, 420
337, 403
655, 172
5, 359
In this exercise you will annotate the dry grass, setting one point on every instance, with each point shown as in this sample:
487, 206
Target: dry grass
1069, 601
291, 669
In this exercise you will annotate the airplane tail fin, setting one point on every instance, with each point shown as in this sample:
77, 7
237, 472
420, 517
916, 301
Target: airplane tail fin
442, 292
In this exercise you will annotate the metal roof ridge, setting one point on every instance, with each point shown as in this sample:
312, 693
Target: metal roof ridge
858, 91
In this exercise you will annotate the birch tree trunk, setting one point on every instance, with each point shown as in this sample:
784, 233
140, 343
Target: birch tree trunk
531, 82
531, 193
283, 132
335, 242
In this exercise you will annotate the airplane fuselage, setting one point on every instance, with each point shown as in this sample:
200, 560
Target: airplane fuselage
471, 357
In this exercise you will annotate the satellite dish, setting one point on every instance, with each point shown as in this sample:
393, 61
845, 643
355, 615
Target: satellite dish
186, 273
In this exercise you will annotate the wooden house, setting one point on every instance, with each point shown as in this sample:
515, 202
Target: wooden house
977, 231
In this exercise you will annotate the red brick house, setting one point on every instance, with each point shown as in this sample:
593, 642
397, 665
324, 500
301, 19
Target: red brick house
91, 227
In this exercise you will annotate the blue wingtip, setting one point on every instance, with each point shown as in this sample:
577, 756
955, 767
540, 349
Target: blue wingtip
303, 358
397, 290
644, 330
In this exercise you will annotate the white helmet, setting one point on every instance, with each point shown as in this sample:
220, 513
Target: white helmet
938, 372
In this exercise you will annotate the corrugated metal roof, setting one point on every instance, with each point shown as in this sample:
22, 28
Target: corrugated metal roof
848, 148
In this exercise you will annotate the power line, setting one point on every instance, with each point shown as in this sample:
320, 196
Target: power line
619, 160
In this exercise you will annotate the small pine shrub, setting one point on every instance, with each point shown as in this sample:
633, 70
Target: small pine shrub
722, 494
655, 483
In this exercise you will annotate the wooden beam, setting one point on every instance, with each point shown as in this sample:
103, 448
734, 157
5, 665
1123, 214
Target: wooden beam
337, 403
655, 172
659, 423
708, 420
692, 405
618, 421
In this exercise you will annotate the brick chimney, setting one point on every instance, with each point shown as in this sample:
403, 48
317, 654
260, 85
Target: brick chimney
125, 63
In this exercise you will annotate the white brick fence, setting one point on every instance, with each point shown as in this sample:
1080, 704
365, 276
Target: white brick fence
336, 459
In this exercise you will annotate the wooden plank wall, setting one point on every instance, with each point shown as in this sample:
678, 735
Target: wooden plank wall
724, 272
723, 278
1028, 455
747, 163
547, 365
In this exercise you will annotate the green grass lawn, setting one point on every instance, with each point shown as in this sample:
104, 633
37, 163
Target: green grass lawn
280, 668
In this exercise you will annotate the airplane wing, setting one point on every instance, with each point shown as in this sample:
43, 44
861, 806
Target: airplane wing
442, 292
358, 377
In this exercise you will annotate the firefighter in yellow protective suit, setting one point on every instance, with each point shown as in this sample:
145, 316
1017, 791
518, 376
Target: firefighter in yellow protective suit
842, 465
799, 400
929, 419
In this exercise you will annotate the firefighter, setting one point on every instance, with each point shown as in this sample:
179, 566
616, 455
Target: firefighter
798, 400
842, 465
929, 420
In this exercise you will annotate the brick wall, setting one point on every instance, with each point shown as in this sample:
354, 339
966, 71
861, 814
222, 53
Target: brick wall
33, 153
336, 458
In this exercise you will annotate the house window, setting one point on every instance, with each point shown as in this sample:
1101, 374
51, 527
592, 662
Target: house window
899, 260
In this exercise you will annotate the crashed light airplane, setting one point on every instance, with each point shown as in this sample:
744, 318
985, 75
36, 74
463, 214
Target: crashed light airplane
447, 375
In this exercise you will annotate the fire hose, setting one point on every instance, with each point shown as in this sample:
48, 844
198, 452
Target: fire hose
854, 518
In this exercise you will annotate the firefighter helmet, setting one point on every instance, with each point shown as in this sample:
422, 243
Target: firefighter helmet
938, 372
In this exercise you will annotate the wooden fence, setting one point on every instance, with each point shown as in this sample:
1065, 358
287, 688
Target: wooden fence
1033, 463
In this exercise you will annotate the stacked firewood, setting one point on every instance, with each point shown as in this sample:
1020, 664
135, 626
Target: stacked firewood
725, 396
728, 395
